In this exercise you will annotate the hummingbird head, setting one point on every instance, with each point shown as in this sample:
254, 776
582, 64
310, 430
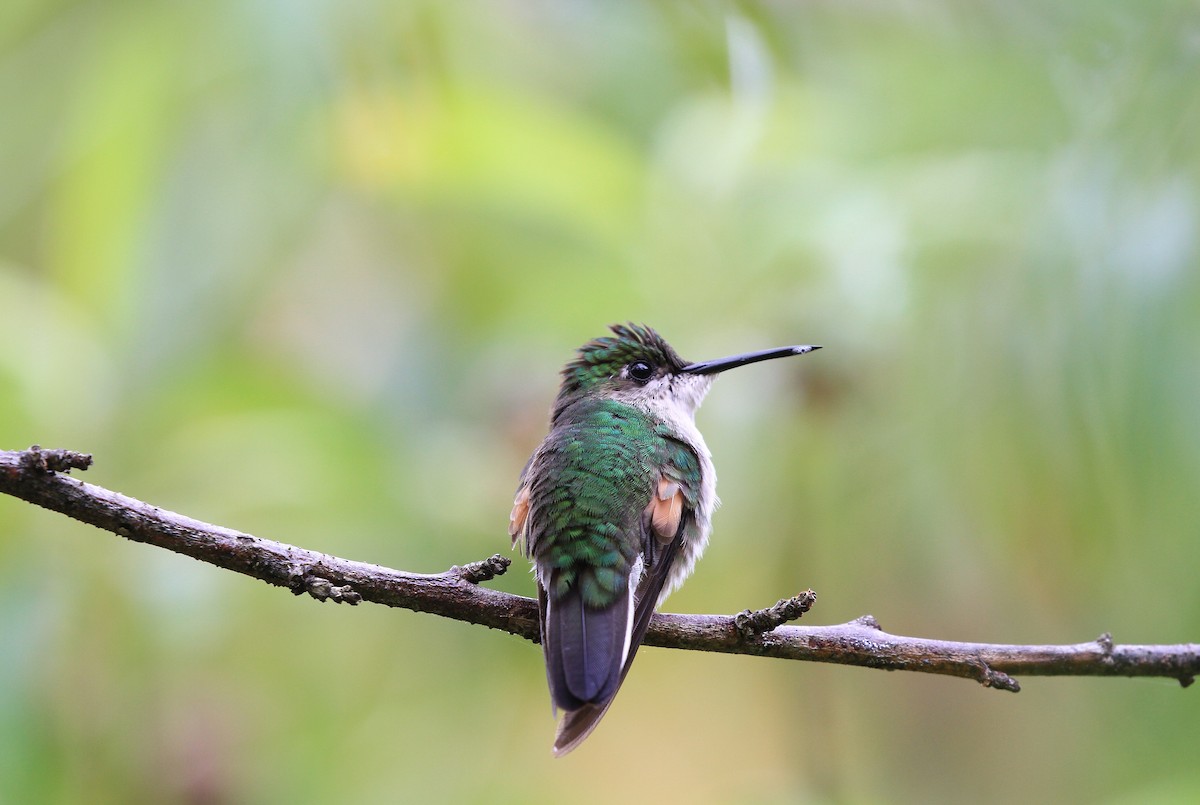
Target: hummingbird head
636, 365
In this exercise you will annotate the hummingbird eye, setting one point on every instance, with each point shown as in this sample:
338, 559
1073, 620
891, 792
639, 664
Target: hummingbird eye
640, 371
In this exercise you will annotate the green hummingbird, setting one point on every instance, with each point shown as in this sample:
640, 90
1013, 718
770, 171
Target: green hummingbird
614, 508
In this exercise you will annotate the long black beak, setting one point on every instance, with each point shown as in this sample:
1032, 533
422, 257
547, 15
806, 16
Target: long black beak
734, 361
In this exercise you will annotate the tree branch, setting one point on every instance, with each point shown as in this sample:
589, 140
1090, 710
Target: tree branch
36, 476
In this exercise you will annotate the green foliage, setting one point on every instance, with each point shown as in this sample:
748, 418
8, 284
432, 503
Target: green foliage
310, 269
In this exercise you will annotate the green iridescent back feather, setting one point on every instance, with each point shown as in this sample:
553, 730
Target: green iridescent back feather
593, 480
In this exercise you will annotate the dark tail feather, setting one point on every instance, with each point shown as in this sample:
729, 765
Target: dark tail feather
578, 723
585, 650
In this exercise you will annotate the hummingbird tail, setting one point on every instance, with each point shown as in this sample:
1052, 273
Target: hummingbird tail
577, 725
585, 649
579, 721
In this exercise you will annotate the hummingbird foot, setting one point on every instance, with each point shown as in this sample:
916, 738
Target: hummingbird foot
757, 623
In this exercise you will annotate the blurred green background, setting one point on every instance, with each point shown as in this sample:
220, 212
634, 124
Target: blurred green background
309, 269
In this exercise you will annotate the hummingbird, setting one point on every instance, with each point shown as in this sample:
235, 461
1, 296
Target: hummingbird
614, 508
